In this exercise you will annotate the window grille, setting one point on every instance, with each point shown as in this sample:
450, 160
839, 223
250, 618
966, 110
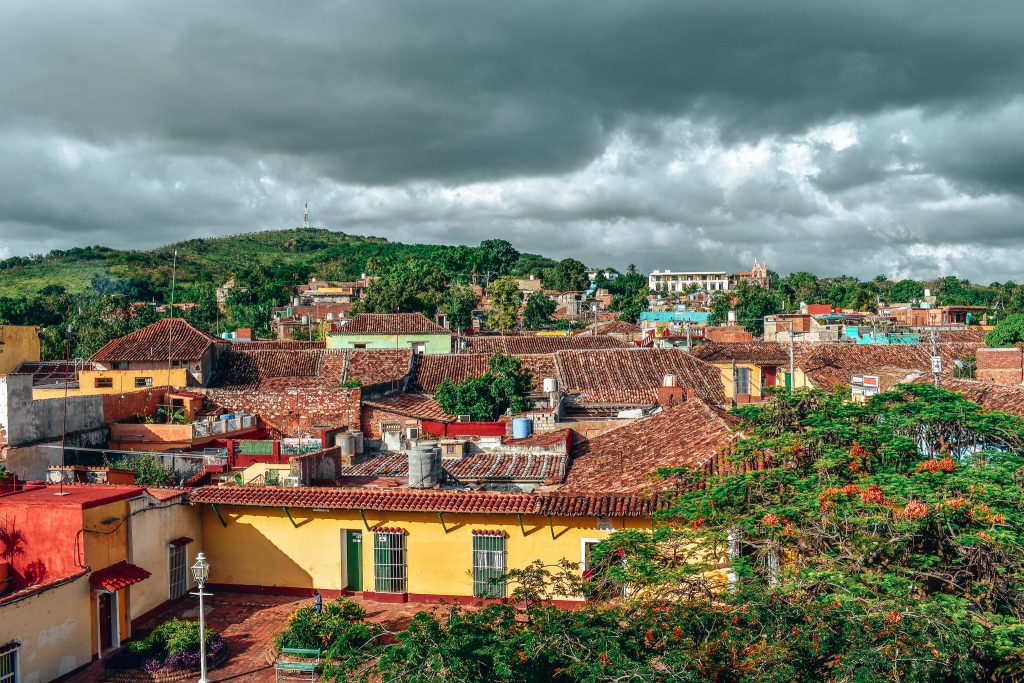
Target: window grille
390, 573
742, 380
104, 382
9, 664
143, 381
178, 571
488, 566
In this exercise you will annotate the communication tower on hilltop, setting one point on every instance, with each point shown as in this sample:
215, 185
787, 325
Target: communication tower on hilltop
305, 216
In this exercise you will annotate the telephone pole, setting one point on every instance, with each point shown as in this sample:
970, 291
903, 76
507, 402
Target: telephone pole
936, 361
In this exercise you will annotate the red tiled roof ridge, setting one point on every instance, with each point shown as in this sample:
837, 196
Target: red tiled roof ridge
431, 500
391, 323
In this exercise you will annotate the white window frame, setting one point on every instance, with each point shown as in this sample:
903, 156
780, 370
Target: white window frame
11, 658
584, 542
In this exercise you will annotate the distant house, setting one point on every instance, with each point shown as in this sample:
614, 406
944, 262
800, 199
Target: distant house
392, 331
170, 352
747, 369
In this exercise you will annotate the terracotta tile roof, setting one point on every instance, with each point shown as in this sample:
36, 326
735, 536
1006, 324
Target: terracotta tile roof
411, 405
758, 352
377, 366
622, 460
1007, 398
524, 344
970, 334
831, 364
166, 493
150, 344
431, 370
118, 576
620, 327
315, 368
273, 345
391, 323
474, 468
632, 376
504, 466
555, 438
410, 500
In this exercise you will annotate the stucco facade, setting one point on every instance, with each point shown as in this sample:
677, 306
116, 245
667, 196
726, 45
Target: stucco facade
262, 547
18, 343
99, 382
53, 624
155, 524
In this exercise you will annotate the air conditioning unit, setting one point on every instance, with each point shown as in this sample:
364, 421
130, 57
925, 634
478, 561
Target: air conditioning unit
464, 418
412, 433
290, 481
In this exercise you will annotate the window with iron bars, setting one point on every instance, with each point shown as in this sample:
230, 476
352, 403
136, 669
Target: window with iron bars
9, 663
488, 566
178, 574
390, 573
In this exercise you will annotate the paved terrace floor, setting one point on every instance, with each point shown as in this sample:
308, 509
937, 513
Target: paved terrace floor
250, 623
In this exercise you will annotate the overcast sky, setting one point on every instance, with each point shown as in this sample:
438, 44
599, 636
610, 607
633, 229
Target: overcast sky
860, 137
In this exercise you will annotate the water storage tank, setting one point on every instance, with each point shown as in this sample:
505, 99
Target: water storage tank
358, 437
305, 320
669, 381
522, 427
424, 465
347, 444
550, 385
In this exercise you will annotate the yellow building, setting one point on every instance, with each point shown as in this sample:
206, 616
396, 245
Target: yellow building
399, 544
747, 369
18, 344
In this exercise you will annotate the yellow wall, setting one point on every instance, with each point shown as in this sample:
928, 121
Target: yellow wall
152, 530
54, 628
260, 547
725, 370
123, 382
105, 541
18, 343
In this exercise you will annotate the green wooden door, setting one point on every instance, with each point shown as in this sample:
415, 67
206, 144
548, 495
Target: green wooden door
354, 559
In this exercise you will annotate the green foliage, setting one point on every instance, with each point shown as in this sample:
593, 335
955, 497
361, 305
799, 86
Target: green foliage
752, 305
906, 290
341, 631
459, 303
1008, 332
568, 275
149, 469
170, 638
503, 297
538, 311
415, 285
504, 387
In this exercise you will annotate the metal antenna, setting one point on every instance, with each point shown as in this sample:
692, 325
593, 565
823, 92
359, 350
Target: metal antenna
64, 430
305, 217
170, 321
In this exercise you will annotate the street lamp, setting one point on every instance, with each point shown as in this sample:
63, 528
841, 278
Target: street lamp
201, 572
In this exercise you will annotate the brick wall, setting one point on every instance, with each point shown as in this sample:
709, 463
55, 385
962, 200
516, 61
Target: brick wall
372, 418
118, 407
728, 334
293, 412
1005, 366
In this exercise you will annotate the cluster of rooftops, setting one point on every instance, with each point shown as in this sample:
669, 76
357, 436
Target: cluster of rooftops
608, 413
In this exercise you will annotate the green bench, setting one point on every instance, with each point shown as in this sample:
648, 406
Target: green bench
289, 668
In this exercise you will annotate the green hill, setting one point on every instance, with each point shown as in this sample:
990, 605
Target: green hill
298, 252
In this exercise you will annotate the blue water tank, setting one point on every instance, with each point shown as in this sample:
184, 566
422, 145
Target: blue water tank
522, 427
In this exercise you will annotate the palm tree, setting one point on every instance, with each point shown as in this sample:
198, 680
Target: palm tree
12, 541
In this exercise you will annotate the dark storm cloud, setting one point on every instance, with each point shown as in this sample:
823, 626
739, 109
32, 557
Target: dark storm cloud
660, 132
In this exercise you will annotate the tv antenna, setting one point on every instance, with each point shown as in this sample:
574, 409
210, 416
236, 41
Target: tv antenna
305, 216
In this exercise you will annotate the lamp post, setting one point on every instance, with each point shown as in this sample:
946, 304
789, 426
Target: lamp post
200, 572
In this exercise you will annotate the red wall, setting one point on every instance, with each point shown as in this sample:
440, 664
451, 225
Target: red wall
50, 539
464, 428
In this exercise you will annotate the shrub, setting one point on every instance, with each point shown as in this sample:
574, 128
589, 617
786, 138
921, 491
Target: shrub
341, 631
175, 645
